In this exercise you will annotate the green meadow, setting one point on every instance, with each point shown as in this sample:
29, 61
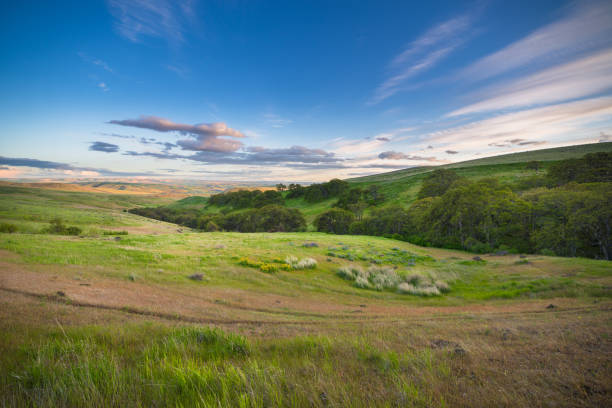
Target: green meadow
138, 312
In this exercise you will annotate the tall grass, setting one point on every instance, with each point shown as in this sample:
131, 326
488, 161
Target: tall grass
147, 365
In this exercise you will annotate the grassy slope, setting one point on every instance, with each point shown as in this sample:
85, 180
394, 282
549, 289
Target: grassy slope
402, 186
130, 327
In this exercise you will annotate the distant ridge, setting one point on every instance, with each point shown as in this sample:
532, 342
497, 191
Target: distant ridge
552, 154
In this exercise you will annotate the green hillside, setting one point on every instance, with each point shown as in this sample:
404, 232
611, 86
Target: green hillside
403, 185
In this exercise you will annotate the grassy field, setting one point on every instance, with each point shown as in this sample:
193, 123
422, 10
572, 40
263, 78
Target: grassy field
164, 316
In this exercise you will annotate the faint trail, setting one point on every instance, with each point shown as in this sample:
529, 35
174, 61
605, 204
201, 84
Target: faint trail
172, 316
326, 319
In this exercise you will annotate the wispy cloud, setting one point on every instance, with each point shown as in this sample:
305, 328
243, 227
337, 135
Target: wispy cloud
103, 147
586, 27
359, 146
255, 155
551, 123
422, 54
517, 142
137, 19
393, 155
576, 79
65, 168
205, 137
95, 61
181, 71
368, 144
276, 121
103, 86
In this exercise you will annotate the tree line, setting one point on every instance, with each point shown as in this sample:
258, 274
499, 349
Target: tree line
566, 212
269, 218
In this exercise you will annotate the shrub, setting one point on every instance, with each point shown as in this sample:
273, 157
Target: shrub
268, 268
383, 277
263, 266
306, 263
442, 286
9, 228
414, 279
56, 226
410, 289
290, 260
115, 232
248, 262
346, 272
73, 231
362, 282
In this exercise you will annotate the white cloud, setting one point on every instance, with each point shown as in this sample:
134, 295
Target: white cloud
551, 123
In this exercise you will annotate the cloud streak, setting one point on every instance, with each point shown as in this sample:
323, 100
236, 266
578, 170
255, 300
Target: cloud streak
583, 77
393, 155
253, 156
103, 147
422, 54
138, 19
587, 26
549, 123
66, 168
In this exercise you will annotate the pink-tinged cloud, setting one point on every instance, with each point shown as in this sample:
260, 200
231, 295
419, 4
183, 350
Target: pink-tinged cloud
206, 137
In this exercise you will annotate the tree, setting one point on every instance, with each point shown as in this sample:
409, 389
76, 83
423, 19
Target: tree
533, 165
281, 187
335, 221
438, 182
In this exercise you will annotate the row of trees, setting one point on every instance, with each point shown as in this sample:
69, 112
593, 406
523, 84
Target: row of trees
315, 193
246, 199
270, 218
312, 194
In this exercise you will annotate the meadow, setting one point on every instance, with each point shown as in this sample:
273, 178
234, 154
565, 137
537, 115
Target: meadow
138, 312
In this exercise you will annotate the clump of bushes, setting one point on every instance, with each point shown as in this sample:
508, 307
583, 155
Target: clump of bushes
410, 289
422, 286
305, 263
56, 226
385, 277
9, 228
375, 277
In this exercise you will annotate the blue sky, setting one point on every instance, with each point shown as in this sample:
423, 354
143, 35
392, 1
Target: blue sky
295, 91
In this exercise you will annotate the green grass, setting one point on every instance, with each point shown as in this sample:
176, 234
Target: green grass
152, 365
180, 255
31, 209
320, 347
